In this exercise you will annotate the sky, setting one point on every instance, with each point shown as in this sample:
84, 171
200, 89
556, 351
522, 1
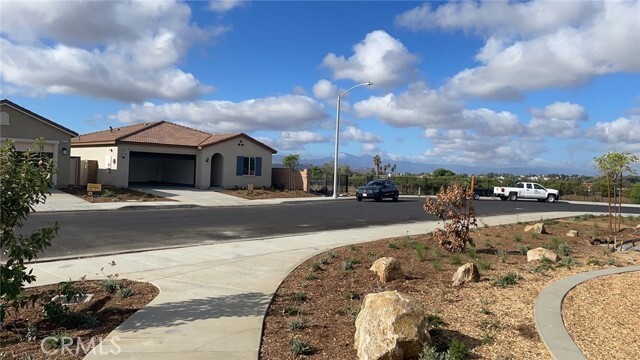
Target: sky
533, 83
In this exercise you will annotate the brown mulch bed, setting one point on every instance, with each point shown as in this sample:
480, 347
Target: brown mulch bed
266, 193
602, 316
25, 333
113, 194
317, 303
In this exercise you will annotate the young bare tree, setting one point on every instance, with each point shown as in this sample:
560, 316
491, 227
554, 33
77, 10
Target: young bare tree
613, 165
453, 206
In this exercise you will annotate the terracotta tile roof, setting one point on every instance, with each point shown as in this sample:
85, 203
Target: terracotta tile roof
109, 137
158, 133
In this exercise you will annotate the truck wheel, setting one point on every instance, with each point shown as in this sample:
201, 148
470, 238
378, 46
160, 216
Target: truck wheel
513, 197
503, 198
551, 198
476, 196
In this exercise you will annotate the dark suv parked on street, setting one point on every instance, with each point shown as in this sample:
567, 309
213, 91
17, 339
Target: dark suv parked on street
378, 190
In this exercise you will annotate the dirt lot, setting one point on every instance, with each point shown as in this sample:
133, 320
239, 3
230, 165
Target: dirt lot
314, 309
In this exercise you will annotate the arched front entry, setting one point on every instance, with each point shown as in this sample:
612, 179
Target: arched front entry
216, 170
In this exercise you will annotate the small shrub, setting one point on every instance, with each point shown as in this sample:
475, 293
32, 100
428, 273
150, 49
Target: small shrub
488, 244
351, 295
324, 261
297, 324
488, 338
32, 333
436, 264
310, 276
315, 267
393, 245
455, 259
457, 350
593, 261
535, 236
544, 265
435, 321
69, 292
421, 253
472, 253
331, 254
523, 249
124, 292
611, 261
568, 262
110, 285
58, 340
503, 256
490, 325
564, 249
87, 320
511, 278
351, 247
517, 238
352, 311
553, 244
484, 265
437, 253
347, 265
299, 297
299, 347
291, 311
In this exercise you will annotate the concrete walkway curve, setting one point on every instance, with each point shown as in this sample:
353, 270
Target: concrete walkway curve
548, 313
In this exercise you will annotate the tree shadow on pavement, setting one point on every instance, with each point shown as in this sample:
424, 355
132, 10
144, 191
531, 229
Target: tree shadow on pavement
182, 312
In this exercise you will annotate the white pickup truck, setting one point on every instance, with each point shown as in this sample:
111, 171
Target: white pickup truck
526, 190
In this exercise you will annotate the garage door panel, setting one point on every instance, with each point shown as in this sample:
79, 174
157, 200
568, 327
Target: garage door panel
162, 168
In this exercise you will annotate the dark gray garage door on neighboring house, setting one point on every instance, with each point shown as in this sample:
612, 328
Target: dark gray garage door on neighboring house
147, 167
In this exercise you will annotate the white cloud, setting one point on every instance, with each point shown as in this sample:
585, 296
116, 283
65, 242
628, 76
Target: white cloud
487, 122
223, 6
560, 119
296, 140
325, 89
355, 134
622, 134
463, 147
288, 112
538, 44
124, 50
418, 106
379, 58
369, 149
500, 17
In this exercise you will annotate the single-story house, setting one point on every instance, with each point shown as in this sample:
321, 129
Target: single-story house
24, 126
167, 153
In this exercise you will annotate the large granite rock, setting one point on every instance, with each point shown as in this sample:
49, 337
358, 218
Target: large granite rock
466, 273
541, 253
388, 269
391, 326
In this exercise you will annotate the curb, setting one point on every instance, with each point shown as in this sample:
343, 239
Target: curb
548, 313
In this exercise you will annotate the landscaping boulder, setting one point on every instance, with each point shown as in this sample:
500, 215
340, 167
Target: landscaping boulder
542, 253
572, 233
536, 228
466, 273
391, 326
388, 269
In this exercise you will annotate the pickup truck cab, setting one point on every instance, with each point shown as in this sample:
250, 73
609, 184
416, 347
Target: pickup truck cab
526, 190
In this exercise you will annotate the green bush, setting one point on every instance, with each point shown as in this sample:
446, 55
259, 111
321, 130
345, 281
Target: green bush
511, 278
299, 297
299, 347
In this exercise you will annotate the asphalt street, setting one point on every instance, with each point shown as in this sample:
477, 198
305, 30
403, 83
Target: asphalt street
107, 232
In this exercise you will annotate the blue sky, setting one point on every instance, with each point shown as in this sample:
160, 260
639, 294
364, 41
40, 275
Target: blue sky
540, 83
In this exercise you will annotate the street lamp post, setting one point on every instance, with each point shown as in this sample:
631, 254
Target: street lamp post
335, 160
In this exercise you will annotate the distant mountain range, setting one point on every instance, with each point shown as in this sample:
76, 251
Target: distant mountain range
364, 163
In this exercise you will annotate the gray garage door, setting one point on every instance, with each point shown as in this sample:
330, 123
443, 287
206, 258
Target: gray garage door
162, 168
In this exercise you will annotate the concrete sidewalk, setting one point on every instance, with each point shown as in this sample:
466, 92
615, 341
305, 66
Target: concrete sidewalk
213, 297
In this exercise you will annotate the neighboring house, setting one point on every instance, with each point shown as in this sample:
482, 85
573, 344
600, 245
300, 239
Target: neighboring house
24, 126
168, 153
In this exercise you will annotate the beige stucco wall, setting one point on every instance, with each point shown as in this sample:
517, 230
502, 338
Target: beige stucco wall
23, 129
116, 172
229, 151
